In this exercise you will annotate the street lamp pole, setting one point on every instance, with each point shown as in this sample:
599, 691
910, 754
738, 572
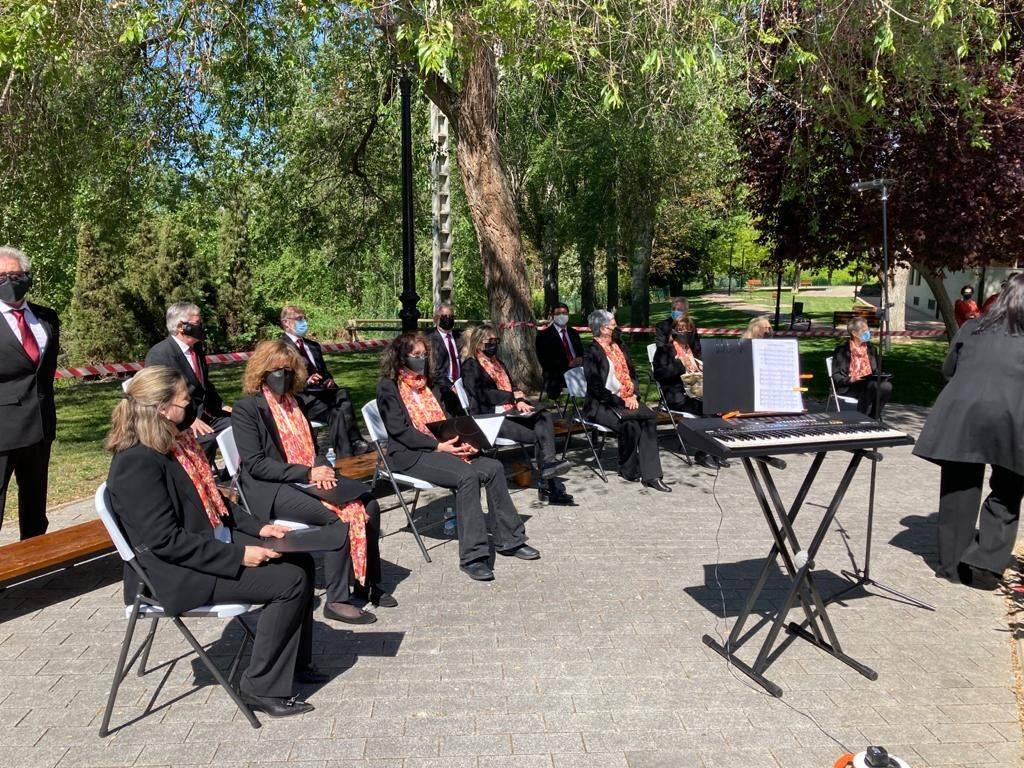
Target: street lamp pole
409, 298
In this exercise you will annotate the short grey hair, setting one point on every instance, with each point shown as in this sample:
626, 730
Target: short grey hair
443, 305
178, 313
598, 319
856, 325
9, 252
681, 300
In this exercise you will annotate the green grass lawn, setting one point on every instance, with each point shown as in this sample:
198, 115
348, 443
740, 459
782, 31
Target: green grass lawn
818, 308
79, 463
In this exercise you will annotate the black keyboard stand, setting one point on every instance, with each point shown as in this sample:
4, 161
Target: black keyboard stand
799, 566
861, 577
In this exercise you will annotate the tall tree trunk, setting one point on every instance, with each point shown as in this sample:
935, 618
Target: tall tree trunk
550, 256
473, 114
611, 260
938, 289
586, 252
898, 277
640, 268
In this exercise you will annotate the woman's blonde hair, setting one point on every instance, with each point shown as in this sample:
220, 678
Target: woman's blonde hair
269, 356
473, 339
758, 328
137, 418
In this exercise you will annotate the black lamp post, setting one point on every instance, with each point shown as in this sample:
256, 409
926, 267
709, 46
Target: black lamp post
409, 313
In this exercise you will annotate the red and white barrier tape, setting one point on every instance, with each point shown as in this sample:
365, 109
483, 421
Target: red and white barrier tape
223, 358
735, 332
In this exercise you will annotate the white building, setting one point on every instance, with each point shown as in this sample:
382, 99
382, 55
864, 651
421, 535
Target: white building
985, 280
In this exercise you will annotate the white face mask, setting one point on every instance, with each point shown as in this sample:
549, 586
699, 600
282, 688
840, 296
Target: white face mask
561, 320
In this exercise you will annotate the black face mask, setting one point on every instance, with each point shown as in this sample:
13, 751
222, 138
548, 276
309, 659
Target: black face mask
188, 417
280, 382
195, 330
13, 289
617, 335
682, 337
968, 295
491, 348
447, 322
416, 364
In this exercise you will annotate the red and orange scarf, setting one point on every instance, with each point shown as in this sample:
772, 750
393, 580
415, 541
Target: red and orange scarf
686, 357
860, 363
297, 441
497, 372
193, 460
419, 401
620, 366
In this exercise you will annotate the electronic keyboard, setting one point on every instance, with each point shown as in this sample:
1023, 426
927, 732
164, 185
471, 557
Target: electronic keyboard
796, 433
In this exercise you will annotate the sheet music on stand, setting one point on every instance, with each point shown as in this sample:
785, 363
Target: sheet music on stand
777, 376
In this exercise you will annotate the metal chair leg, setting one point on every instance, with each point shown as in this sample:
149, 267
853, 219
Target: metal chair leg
408, 516
147, 646
119, 670
217, 674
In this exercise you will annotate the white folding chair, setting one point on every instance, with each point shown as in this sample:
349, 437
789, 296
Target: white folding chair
576, 383
663, 406
379, 436
233, 464
499, 442
147, 606
836, 398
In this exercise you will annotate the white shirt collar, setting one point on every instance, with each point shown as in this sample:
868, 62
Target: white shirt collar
181, 345
293, 337
5, 308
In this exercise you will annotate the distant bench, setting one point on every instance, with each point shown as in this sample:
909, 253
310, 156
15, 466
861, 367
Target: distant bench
869, 314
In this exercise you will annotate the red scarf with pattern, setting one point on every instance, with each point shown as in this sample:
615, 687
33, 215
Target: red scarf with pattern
419, 401
860, 364
621, 368
685, 355
297, 441
497, 372
193, 460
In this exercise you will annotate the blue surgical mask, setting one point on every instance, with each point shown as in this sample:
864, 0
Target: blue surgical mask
301, 327
865, 336
677, 313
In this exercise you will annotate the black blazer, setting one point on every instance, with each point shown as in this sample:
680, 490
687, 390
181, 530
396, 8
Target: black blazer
441, 359
163, 518
205, 396
406, 443
27, 410
551, 355
317, 353
481, 390
596, 366
663, 335
264, 468
841, 365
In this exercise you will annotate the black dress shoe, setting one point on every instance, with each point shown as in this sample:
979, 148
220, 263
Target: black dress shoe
364, 617
478, 570
706, 461
276, 706
360, 447
978, 578
378, 597
523, 552
556, 497
553, 469
630, 479
658, 485
723, 463
311, 676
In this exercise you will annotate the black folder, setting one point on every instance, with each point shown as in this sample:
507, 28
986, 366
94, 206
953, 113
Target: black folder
467, 429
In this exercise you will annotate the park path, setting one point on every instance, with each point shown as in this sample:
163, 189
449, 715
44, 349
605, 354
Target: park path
589, 658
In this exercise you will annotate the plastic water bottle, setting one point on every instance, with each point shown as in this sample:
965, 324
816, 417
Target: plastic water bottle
449, 522
331, 456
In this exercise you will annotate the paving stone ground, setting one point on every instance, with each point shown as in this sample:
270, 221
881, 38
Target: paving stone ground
589, 658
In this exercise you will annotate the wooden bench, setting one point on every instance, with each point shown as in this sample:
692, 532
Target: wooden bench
53, 550
870, 315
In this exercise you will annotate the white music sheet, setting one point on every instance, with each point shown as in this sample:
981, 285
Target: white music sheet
490, 425
777, 375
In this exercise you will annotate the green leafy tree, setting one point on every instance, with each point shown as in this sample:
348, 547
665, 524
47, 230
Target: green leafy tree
238, 307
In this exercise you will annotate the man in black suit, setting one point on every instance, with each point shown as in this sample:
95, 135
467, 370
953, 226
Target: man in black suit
322, 400
29, 342
559, 348
663, 330
183, 351
444, 343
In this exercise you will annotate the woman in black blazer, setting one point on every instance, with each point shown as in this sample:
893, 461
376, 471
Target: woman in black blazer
409, 398
853, 378
271, 484
164, 496
613, 403
978, 420
480, 366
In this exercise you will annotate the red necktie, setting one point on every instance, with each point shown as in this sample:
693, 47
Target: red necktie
454, 357
301, 346
195, 364
565, 343
28, 339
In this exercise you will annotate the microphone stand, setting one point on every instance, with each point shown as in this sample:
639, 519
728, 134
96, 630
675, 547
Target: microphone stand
861, 577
